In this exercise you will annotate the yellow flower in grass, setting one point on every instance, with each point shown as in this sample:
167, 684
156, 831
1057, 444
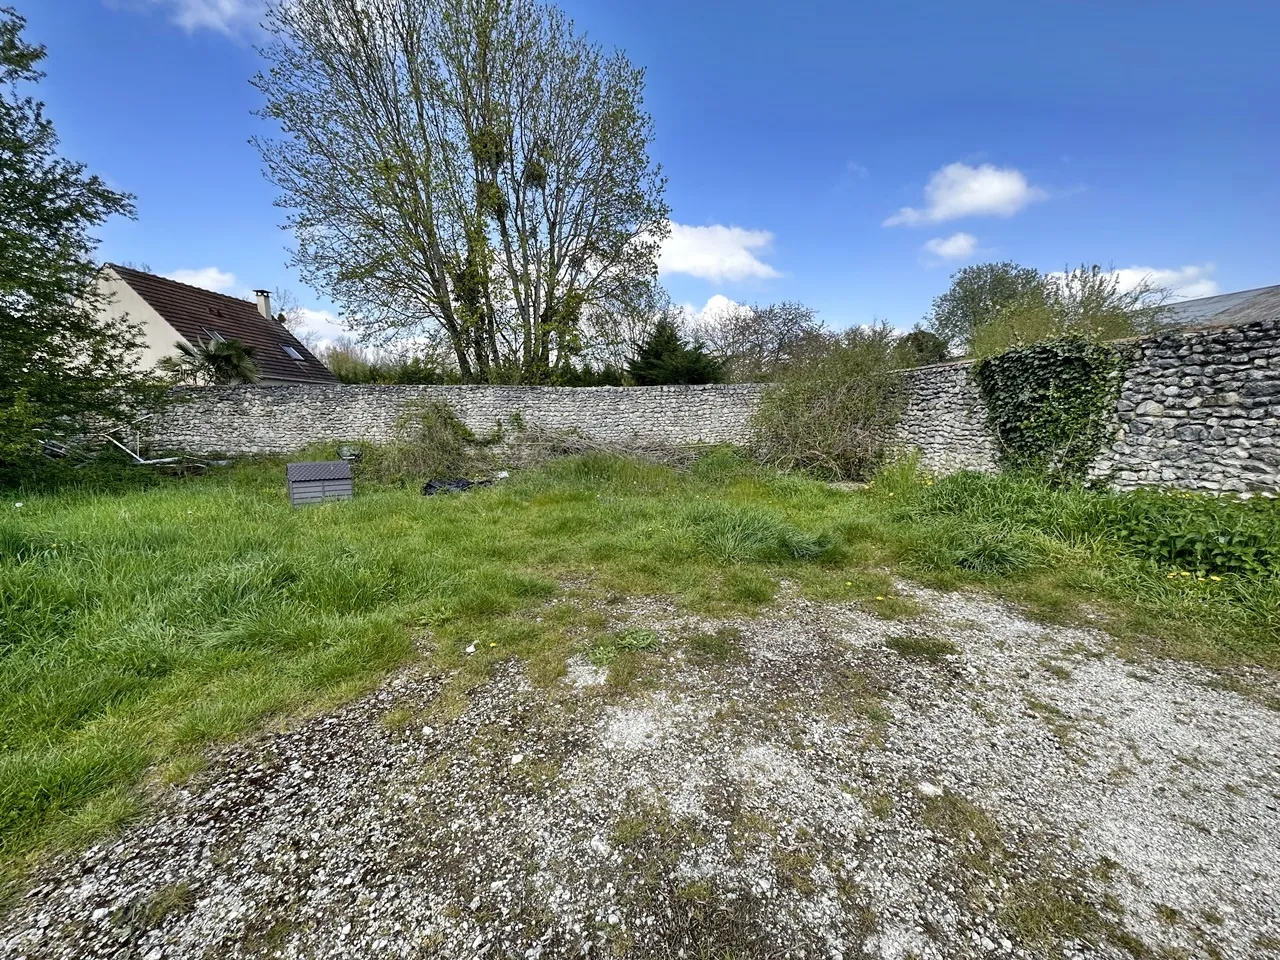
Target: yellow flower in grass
1186, 573
1214, 578
1170, 576
879, 598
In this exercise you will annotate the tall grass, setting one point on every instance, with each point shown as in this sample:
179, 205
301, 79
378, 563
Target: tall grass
138, 624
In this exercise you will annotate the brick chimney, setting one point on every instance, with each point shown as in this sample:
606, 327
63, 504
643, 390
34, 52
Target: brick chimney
264, 303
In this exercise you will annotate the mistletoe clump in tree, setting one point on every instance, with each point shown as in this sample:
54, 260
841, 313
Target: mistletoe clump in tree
473, 169
63, 358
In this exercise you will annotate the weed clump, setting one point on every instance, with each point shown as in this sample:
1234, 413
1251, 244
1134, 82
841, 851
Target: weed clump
732, 534
431, 444
926, 649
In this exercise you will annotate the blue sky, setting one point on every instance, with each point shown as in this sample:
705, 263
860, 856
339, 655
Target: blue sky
848, 155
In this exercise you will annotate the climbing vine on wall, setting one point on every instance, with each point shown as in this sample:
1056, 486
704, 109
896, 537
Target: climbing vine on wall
1050, 405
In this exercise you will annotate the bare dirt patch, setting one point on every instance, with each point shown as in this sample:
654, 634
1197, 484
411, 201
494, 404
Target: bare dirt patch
810, 783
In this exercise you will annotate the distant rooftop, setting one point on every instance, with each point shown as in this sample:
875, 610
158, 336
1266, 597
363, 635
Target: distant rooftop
1226, 309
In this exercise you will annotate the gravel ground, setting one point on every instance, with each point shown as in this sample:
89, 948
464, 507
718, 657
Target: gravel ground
812, 783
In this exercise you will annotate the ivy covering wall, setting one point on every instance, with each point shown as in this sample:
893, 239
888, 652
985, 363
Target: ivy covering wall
1051, 405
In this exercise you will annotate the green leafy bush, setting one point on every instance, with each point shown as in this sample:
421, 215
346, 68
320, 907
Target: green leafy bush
989, 524
833, 416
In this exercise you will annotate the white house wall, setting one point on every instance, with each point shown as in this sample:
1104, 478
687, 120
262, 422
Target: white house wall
158, 336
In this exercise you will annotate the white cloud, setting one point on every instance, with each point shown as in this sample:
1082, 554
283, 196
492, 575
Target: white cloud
716, 253
716, 309
229, 17
857, 170
208, 278
959, 190
320, 326
1186, 283
958, 246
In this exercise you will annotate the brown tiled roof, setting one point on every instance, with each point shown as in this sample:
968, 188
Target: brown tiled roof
200, 314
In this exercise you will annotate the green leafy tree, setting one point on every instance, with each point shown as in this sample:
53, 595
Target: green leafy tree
473, 167
666, 358
215, 362
977, 293
63, 358
1087, 303
920, 347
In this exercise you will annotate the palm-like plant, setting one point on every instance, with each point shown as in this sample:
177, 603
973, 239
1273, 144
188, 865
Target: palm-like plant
215, 362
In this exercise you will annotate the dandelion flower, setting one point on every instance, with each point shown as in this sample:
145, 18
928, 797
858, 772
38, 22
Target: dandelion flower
1214, 578
879, 598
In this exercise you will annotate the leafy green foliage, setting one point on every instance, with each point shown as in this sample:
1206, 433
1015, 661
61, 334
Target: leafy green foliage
353, 363
977, 293
1086, 303
665, 358
1199, 534
586, 375
431, 444
637, 639
1006, 525
834, 414
214, 362
1050, 405
63, 356
920, 347
519, 204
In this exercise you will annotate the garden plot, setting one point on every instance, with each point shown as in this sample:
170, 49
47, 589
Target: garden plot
808, 782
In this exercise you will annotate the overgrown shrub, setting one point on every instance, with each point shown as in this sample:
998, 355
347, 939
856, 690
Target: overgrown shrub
431, 444
1087, 303
834, 415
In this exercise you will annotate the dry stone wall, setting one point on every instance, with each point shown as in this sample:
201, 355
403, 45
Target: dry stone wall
1198, 410
280, 419
945, 420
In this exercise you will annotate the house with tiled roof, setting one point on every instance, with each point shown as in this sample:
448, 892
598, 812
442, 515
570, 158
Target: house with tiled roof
170, 312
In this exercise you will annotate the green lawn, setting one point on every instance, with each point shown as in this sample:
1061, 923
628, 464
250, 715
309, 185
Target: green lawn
139, 624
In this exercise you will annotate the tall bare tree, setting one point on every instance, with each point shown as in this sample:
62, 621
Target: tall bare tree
472, 165
761, 342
